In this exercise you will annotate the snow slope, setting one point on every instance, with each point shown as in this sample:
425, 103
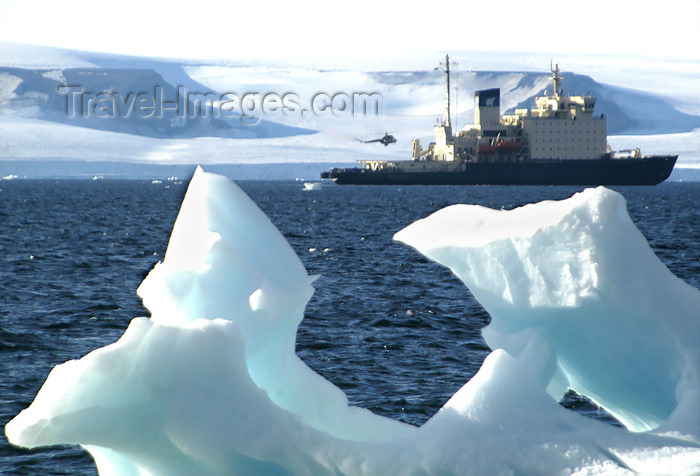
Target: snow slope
36, 93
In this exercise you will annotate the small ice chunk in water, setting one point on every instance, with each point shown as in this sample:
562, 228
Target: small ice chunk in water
312, 186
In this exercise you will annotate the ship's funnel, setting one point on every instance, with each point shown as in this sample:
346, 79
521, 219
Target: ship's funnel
487, 108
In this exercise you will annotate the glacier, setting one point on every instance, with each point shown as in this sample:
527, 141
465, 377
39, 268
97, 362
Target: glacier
210, 384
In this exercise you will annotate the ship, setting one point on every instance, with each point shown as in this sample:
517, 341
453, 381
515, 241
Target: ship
560, 141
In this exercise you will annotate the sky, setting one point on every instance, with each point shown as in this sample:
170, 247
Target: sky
360, 33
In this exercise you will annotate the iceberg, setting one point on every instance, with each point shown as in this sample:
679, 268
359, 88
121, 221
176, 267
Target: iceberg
575, 286
210, 384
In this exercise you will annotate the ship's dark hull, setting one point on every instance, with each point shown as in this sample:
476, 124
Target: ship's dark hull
649, 170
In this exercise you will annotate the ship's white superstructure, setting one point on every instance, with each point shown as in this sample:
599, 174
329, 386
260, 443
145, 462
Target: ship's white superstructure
558, 127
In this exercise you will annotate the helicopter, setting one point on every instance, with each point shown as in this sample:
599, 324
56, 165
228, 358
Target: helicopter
386, 139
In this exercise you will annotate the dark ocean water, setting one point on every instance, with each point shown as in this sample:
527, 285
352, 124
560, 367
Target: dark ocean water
398, 333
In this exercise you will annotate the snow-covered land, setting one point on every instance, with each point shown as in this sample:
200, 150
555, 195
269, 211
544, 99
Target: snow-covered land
210, 383
34, 127
33, 93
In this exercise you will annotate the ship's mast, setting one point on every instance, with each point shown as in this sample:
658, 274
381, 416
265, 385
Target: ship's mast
446, 68
556, 78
